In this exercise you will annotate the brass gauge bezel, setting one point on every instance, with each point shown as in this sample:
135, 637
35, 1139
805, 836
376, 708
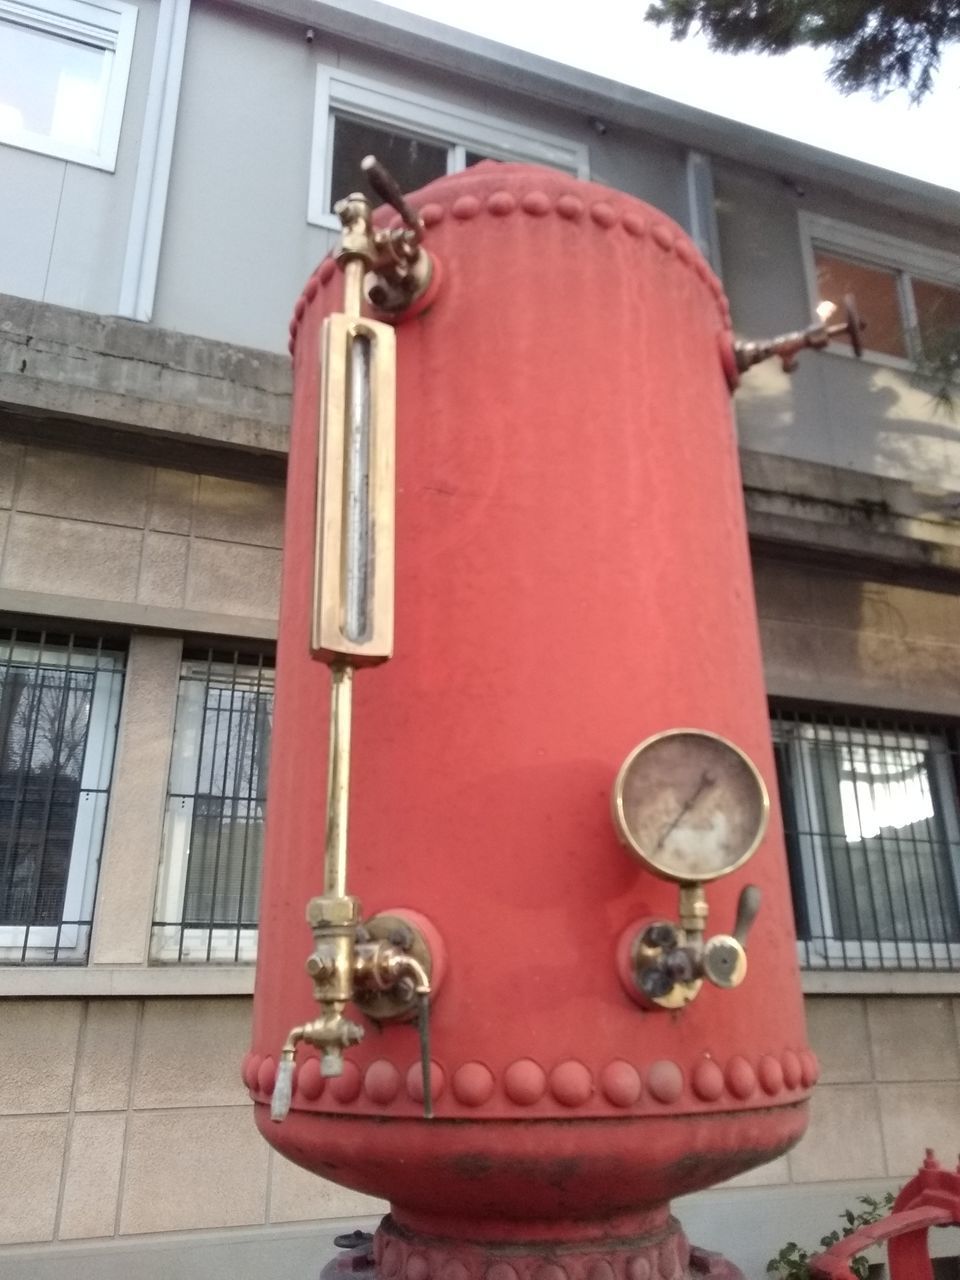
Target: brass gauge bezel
626, 836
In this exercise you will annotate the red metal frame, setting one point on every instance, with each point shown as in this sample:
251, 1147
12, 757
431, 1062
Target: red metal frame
931, 1199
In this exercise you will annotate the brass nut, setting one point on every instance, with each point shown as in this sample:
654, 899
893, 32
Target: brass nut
340, 912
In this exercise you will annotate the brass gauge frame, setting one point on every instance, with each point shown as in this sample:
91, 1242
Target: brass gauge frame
623, 830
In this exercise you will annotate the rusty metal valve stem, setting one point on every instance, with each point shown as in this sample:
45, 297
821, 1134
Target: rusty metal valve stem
816, 336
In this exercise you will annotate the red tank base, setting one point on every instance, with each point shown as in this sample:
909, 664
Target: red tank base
660, 1253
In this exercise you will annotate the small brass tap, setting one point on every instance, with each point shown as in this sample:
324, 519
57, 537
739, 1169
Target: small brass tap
374, 965
670, 961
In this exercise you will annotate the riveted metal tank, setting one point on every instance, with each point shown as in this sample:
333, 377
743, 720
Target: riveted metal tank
572, 577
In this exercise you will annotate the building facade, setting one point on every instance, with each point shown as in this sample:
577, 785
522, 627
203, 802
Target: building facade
168, 170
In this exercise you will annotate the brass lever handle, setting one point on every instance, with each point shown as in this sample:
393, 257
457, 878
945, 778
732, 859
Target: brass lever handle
385, 185
748, 905
724, 961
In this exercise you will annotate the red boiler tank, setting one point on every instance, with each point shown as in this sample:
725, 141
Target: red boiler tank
572, 577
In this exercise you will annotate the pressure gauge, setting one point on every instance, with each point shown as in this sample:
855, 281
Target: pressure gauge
690, 805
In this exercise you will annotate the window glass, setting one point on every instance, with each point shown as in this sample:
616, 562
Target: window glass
59, 703
51, 86
412, 161
938, 313
209, 894
872, 826
877, 294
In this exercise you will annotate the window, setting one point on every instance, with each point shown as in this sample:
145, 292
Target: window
909, 296
417, 138
63, 76
208, 897
871, 818
59, 705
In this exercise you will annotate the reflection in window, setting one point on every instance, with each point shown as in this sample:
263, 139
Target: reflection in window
208, 898
411, 160
51, 86
938, 314
59, 703
906, 316
877, 294
63, 74
871, 816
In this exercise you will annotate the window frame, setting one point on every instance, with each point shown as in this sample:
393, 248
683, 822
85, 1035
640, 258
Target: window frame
904, 258
68, 942
214, 943
108, 25
823, 951
459, 128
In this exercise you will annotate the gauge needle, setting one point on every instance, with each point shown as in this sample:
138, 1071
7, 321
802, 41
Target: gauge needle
707, 780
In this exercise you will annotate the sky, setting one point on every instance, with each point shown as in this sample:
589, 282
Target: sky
788, 95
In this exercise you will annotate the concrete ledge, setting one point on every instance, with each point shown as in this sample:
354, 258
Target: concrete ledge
54, 981
57, 363
41, 604
809, 510
878, 983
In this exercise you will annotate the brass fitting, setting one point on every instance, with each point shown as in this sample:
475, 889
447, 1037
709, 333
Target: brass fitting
383, 965
398, 269
671, 961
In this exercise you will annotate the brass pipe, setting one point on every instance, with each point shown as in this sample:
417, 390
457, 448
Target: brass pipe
354, 270
338, 781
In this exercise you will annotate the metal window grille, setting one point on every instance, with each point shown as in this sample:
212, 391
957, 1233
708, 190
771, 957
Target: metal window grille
872, 820
208, 897
59, 706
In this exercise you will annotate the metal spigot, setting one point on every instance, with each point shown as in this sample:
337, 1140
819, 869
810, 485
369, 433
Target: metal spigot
382, 965
816, 336
672, 960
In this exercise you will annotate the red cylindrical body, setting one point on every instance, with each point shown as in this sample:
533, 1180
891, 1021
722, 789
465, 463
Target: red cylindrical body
572, 577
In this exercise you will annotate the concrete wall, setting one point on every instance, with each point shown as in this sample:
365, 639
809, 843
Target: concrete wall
113, 537
237, 244
125, 1118
840, 638
861, 415
128, 1117
63, 226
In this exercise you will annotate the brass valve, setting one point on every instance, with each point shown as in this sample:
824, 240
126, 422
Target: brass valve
397, 267
670, 961
383, 965
816, 336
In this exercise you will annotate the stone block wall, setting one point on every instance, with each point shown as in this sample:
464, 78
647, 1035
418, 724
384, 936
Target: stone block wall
119, 531
127, 1117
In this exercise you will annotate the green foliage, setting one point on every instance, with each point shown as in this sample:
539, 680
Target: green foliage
939, 366
876, 44
792, 1262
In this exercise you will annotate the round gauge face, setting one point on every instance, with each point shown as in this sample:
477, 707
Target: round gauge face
690, 804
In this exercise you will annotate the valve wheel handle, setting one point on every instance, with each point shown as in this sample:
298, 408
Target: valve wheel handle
855, 325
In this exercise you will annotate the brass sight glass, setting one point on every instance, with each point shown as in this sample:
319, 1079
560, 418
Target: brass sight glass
692, 807
383, 965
